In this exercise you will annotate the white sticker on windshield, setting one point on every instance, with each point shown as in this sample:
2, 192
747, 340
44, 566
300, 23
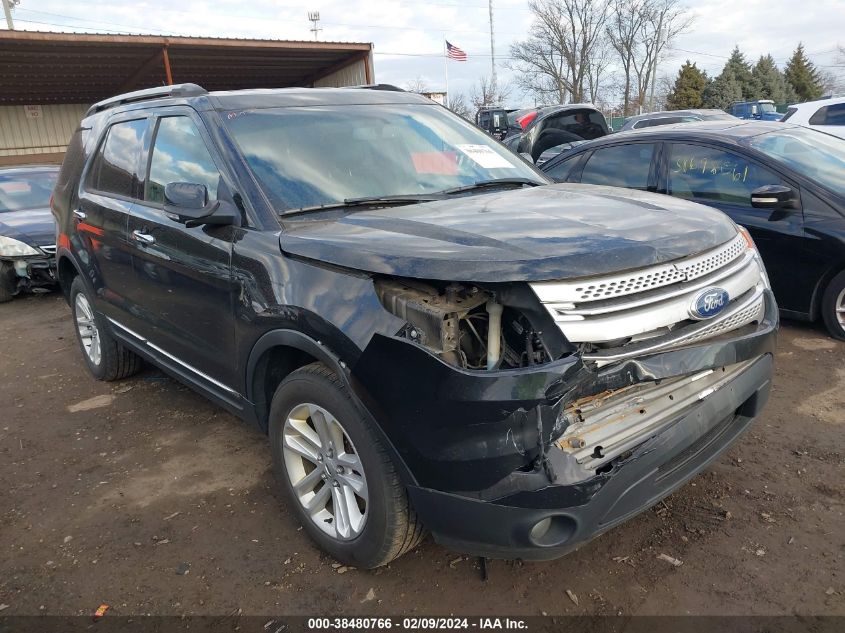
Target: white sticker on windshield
486, 157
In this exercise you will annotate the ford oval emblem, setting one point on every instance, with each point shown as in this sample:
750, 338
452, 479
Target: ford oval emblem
709, 303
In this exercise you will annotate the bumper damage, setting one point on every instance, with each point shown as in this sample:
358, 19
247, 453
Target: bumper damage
531, 462
29, 274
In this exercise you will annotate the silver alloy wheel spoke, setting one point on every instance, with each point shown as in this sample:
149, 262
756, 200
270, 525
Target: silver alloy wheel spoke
840, 308
86, 325
325, 471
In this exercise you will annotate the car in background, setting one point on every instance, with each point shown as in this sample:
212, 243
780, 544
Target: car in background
559, 126
783, 182
27, 230
669, 117
825, 115
494, 121
762, 109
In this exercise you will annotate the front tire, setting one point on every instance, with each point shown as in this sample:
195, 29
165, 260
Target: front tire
833, 307
106, 359
337, 474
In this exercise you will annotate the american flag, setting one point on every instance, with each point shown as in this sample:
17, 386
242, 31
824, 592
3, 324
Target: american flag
453, 52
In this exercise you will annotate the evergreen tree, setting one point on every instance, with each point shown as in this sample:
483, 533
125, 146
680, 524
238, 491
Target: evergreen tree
722, 91
769, 82
741, 70
688, 90
803, 76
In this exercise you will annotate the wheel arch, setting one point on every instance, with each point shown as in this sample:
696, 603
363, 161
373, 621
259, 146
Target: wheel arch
278, 353
66, 270
821, 287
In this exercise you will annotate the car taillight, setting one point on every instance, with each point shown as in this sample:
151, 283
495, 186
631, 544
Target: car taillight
525, 120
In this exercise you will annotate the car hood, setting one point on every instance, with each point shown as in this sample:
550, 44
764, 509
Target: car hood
35, 227
543, 233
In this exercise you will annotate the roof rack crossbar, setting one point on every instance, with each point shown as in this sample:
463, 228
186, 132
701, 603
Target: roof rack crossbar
176, 90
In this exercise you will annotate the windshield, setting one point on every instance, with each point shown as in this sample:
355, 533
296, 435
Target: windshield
766, 107
22, 191
817, 156
316, 155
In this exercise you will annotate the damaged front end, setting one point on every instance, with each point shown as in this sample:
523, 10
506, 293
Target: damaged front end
503, 411
33, 272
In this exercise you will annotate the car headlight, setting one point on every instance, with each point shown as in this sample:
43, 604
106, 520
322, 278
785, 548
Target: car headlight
15, 248
750, 242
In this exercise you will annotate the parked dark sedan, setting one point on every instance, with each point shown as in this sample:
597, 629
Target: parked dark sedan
27, 230
784, 182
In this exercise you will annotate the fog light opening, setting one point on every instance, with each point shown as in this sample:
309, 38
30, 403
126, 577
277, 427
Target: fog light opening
540, 529
552, 531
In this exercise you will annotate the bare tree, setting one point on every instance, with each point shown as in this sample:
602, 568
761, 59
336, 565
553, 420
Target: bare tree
641, 31
458, 104
417, 85
555, 61
663, 21
484, 93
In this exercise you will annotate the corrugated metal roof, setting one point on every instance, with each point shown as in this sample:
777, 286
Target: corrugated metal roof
42, 67
189, 37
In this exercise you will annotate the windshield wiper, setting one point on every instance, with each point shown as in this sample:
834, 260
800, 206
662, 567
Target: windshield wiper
366, 202
496, 182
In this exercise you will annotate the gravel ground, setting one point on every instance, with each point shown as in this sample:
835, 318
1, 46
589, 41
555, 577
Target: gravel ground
143, 495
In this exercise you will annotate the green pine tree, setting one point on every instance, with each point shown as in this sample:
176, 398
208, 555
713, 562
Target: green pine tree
769, 82
722, 91
741, 71
803, 76
688, 90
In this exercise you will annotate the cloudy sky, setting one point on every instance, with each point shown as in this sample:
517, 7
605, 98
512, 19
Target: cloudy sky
408, 34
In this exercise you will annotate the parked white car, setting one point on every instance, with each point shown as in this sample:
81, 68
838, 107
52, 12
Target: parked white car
827, 115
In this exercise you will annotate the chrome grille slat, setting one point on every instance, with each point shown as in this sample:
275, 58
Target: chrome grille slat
620, 285
652, 308
50, 250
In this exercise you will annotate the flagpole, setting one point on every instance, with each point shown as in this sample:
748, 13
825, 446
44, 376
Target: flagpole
446, 69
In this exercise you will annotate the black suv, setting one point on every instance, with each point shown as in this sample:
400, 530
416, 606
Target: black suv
432, 337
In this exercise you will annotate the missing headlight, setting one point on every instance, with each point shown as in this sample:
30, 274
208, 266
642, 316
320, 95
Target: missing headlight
454, 321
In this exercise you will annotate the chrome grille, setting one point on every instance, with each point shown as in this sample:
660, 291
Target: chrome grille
50, 250
649, 307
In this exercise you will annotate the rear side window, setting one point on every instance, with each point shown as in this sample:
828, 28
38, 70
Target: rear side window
619, 166
115, 167
789, 113
829, 115
180, 155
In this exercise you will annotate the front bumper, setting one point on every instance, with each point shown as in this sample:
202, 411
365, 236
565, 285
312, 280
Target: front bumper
578, 513
478, 449
30, 273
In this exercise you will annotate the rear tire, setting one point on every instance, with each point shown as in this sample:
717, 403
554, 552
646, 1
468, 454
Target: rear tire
107, 360
7, 282
336, 472
833, 307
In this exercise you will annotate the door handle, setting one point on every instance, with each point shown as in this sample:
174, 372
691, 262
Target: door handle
143, 238
79, 215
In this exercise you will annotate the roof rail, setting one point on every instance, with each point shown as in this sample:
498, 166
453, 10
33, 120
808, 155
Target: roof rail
176, 90
388, 87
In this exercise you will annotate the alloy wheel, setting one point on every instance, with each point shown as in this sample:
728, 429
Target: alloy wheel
325, 471
839, 306
89, 334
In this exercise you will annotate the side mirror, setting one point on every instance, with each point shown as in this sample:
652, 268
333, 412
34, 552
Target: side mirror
773, 197
188, 203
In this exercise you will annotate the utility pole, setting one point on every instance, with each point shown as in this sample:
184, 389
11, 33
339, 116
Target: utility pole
492, 52
654, 68
314, 17
7, 9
